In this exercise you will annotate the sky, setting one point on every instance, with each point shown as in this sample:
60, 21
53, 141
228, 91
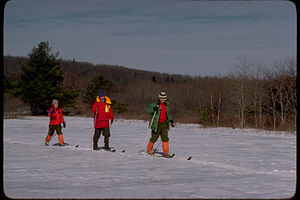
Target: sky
201, 38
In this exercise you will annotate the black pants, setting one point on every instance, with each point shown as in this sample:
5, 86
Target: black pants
105, 132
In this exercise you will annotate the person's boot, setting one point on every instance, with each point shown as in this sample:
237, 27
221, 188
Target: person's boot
150, 148
106, 144
61, 140
165, 146
47, 140
95, 143
95, 146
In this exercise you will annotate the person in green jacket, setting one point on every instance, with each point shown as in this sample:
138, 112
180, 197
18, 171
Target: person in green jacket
160, 125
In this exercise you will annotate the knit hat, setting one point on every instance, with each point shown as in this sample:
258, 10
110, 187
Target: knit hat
101, 93
54, 101
162, 96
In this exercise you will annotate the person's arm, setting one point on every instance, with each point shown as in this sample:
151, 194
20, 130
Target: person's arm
111, 115
152, 108
51, 112
62, 118
95, 107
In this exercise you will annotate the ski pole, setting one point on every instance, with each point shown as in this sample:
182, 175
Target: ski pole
95, 117
148, 131
53, 135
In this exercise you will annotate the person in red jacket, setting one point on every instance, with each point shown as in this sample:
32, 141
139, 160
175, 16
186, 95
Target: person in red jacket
56, 118
102, 113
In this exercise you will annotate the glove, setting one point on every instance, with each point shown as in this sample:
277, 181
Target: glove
172, 123
111, 121
52, 111
64, 124
155, 108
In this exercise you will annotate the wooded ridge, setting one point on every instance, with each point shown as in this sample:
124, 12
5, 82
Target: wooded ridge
252, 95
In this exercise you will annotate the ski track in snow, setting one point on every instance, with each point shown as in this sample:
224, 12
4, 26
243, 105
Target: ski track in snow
226, 163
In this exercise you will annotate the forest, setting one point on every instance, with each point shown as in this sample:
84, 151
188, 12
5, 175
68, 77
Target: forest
252, 95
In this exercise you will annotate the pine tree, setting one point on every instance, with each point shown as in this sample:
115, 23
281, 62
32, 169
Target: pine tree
41, 81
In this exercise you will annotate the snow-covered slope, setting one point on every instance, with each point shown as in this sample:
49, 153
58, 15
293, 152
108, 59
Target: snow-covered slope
225, 163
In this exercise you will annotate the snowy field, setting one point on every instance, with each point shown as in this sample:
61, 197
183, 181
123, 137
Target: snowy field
225, 163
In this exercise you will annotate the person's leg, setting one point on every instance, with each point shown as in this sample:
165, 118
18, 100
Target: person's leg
96, 138
165, 138
106, 134
49, 135
60, 135
153, 139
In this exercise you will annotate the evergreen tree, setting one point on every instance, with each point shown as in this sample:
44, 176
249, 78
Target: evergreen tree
41, 81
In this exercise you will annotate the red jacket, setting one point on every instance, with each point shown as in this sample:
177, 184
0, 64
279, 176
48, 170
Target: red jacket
56, 118
102, 113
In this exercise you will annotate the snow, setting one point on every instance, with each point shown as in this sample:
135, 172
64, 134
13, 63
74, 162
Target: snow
226, 162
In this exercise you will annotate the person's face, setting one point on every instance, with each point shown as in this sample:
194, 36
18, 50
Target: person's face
162, 101
55, 105
102, 99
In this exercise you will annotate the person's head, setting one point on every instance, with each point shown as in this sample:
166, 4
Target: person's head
54, 103
101, 95
162, 97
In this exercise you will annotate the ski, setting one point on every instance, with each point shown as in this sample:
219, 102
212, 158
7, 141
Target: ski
77, 146
170, 156
64, 145
111, 150
161, 154
108, 150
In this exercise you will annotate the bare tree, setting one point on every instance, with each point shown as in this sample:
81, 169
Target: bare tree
240, 80
284, 84
258, 94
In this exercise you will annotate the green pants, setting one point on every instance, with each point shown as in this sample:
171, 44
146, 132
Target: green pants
105, 132
162, 130
53, 128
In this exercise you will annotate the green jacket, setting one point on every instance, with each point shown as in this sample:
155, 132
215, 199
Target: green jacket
156, 118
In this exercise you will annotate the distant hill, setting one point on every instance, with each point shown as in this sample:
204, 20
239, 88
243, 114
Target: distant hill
12, 67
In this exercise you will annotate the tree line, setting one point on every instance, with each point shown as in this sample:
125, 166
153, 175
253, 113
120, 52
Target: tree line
252, 95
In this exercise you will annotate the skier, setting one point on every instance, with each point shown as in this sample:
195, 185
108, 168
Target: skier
160, 124
102, 113
56, 118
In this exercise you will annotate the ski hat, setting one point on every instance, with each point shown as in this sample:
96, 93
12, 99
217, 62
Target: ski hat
162, 96
54, 101
101, 93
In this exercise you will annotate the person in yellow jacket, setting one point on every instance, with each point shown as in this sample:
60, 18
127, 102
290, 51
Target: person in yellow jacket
102, 114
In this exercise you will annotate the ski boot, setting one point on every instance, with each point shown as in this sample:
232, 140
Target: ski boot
150, 153
95, 147
47, 140
165, 146
167, 155
106, 144
107, 149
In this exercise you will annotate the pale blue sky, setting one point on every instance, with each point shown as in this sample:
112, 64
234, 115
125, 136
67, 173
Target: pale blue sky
178, 36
